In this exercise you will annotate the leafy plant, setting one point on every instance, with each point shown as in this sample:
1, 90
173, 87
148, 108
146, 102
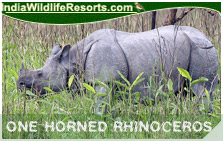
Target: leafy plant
186, 74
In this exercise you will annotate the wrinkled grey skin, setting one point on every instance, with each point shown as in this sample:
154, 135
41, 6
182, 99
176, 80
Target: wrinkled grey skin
106, 51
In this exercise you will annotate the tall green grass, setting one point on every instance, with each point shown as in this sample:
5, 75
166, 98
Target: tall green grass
31, 43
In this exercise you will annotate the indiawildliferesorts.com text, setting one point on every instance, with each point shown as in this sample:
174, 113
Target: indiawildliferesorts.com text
101, 126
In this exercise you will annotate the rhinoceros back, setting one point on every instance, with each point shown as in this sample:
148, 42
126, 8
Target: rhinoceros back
198, 38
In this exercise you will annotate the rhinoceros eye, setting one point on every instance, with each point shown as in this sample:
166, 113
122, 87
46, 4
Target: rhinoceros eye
39, 73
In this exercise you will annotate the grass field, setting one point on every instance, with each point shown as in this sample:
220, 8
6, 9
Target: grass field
31, 43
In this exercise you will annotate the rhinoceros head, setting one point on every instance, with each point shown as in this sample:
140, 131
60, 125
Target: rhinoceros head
54, 74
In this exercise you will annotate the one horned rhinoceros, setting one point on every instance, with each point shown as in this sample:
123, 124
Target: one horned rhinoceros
105, 52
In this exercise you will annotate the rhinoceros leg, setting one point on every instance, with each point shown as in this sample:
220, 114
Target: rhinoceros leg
204, 63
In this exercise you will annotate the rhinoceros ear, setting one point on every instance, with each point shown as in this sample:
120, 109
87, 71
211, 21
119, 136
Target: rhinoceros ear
56, 49
22, 70
63, 53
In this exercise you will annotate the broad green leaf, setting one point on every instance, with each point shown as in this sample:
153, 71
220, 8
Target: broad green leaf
70, 81
88, 87
100, 94
14, 73
123, 77
184, 73
202, 79
48, 89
